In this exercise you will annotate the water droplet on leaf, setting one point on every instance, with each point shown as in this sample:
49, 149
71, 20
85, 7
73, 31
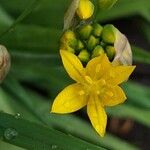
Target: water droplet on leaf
17, 115
10, 133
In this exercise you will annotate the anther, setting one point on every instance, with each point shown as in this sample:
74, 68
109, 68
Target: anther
81, 92
98, 92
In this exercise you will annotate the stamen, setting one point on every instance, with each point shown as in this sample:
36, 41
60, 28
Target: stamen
88, 79
102, 82
98, 68
81, 92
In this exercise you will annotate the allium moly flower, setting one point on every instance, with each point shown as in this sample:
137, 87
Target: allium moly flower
97, 86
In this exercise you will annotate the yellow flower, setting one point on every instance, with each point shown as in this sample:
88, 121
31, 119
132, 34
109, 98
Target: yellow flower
85, 9
96, 87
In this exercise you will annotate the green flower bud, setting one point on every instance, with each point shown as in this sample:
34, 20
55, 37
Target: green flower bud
84, 56
4, 62
98, 50
109, 34
110, 51
97, 30
80, 45
106, 4
85, 31
85, 9
92, 42
69, 38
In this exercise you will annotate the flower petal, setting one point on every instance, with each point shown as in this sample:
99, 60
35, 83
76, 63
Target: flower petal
97, 115
119, 74
72, 65
70, 99
98, 66
113, 96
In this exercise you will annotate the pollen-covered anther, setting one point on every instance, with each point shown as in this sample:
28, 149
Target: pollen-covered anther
88, 79
81, 92
102, 82
98, 92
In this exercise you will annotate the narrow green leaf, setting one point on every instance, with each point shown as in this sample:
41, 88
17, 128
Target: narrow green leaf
31, 38
6, 146
29, 135
26, 12
124, 8
141, 55
137, 94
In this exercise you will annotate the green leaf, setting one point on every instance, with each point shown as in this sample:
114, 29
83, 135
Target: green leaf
141, 55
30, 135
4, 17
124, 8
137, 94
6, 146
53, 12
26, 12
31, 38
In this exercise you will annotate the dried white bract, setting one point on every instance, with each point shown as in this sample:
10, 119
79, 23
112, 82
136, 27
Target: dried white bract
4, 62
123, 50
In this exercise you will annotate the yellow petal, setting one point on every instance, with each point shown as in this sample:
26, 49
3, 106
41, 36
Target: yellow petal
72, 65
98, 66
113, 96
119, 74
97, 115
71, 99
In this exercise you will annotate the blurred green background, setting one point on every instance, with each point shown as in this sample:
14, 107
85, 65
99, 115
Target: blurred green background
30, 30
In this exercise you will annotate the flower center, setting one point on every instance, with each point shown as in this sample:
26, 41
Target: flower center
95, 87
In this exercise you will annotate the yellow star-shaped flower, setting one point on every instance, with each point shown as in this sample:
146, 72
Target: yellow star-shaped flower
96, 87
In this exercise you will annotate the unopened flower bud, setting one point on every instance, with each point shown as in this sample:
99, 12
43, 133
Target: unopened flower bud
106, 4
85, 9
110, 50
92, 42
98, 50
80, 45
69, 38
109, 34
4, 62
84, 56
97, 30
85, 31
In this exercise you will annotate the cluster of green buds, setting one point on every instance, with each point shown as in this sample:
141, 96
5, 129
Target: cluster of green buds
89, 41
4, 62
